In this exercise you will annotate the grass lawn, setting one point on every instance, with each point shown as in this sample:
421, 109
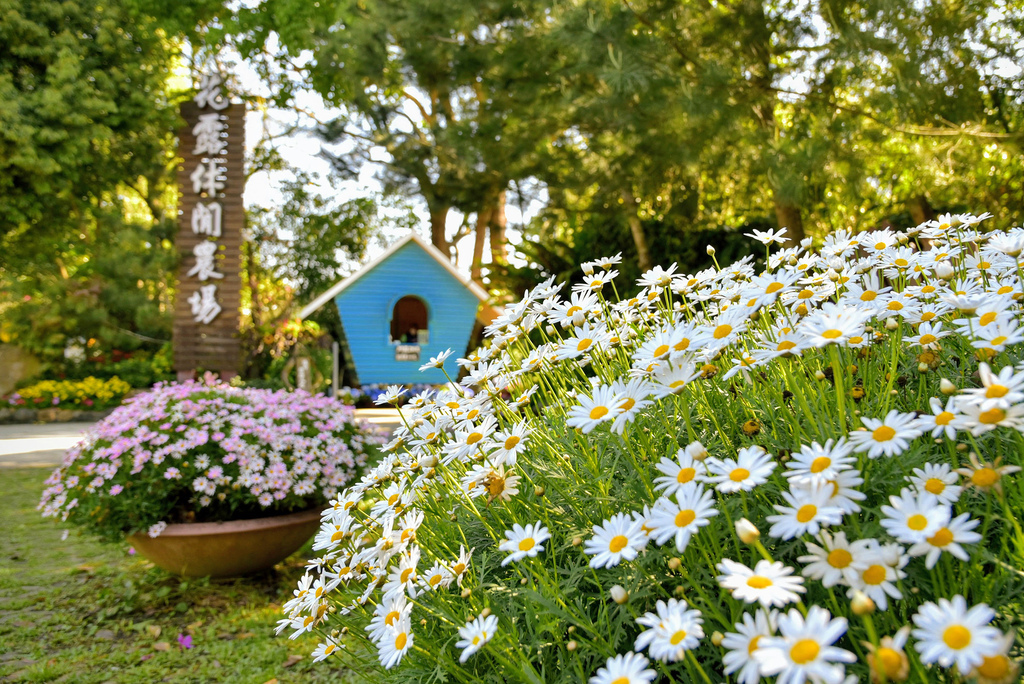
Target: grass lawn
80, 612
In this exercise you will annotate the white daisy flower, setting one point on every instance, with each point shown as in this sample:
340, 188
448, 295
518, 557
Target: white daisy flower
742, 644
948, 538
393, 646
436, 361
682, 471
939, 480
521, 542
770, 584
326, 649
682, 518
882, 568
803, 649
836, 561
944, 420
670, 632
615, 540
751, 467
817, 462
602, 407
948, 633
808, 511
630, 668
912, 517
475, 634
889, 436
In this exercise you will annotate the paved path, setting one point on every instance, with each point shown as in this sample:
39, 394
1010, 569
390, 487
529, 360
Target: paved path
43, 445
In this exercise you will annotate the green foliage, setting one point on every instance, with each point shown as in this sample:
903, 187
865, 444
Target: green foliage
84, 612
83, 113
88, 393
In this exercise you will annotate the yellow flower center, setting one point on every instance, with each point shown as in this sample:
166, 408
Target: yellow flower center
874, 575
598, 412
998, 340
527, 544
992, 416
684, 518
678, 637
995, 667
944, 418
984, 477
996, 391
942, 538
901, 262
894, 306
618, 543
805, 294
820, 463
685, 475
752, 646
621, 680
405, 575
330, 649
927, 338
511, 442
573, 310
773, 288
917, 522
739, 474
400, 641
856, 339
840, 558
722, 331
390, 618
957, 637
434, 580
804, 651
806, 513
883, 433
474, 437
832, 334
785, 345
934, 485
927, 289
889, 660
987, 318
868, 296
880, 245
628, 404
583, 344
392, 499
758, 582
459, 568
452, 404
661, 350
927, 315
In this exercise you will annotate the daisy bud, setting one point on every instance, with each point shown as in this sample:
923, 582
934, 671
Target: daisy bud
618, 594
485, 612
588, 268
428, 461
679, 591
961, 447
861, 604
819, 375
571, 646
576, 541
946, 387
902, 238
466, 593
891, 323
331, 609
944, 270
717, 638
344, 630
711, 251
572, 628
523, 581
538, 491
674, 564
549, 329
923, 368
832, 275
747, 531
335, 633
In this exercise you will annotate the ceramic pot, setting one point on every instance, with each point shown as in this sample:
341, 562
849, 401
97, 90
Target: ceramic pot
227, 549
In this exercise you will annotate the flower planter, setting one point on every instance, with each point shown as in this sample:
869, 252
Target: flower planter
227, 549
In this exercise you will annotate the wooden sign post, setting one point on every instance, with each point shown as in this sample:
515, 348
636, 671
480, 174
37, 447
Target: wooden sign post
209, 239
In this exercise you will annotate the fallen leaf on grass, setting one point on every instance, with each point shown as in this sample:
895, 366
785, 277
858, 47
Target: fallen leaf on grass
292, 659
194, 626
271, 681
154, 630
245, 635
161, 646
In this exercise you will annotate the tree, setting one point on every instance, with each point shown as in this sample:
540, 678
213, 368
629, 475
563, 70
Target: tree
84, 116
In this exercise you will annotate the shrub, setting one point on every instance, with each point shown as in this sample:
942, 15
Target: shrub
90, 393
810, 472
202, 453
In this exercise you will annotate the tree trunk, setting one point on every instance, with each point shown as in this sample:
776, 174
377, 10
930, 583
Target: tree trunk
498, 223
483, 217
920, 211
438, 219
787, 215
643, 255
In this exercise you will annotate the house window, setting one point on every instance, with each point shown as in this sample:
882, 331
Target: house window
409, 321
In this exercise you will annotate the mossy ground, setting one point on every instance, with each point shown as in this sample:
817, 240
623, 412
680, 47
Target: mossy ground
81, 612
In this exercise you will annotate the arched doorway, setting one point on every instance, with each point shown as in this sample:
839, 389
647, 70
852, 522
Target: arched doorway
409, 321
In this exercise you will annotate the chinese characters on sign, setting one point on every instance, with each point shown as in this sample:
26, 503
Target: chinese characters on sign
211, 180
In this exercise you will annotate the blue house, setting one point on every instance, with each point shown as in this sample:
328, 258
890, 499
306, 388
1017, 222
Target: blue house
402, 308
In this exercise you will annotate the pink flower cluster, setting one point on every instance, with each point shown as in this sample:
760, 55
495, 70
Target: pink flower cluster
227, 445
